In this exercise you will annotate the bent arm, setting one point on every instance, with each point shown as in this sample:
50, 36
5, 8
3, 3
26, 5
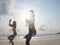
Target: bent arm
10, 23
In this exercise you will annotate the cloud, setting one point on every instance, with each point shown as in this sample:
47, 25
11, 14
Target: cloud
6, 6
45, 28
42, 28
49, 28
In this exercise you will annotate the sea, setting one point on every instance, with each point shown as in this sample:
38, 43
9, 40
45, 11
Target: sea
41, 36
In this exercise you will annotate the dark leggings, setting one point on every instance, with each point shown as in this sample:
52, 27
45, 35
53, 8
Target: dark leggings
11, 37
28, 41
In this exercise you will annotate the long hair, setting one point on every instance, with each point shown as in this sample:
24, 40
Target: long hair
14, 23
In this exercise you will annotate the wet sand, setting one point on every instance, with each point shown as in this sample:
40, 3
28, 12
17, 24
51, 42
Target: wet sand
37, 41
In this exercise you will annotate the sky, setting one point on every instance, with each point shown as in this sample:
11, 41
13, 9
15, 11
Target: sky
47, 15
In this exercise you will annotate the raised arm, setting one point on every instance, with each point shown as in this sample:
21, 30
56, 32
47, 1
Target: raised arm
10, 23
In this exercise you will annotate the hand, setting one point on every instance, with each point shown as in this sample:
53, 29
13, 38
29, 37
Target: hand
10, 19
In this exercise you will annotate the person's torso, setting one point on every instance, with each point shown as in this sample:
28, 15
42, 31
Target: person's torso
14, 28
32, 30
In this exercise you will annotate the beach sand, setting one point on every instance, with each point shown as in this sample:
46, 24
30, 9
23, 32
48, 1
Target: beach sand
37, 41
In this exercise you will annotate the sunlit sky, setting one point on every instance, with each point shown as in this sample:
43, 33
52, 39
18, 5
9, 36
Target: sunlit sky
47, 16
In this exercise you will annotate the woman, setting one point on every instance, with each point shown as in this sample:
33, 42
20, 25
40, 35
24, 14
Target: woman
32, 30
11, 37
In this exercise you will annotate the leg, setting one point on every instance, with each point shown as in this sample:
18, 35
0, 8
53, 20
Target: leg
12, 43
28, 41
26, 36
11, 40
10, 37
14, 35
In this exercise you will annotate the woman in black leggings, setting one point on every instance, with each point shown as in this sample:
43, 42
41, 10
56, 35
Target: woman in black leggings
11, 37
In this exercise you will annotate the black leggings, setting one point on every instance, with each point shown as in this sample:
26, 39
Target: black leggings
11, 37
28, 41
